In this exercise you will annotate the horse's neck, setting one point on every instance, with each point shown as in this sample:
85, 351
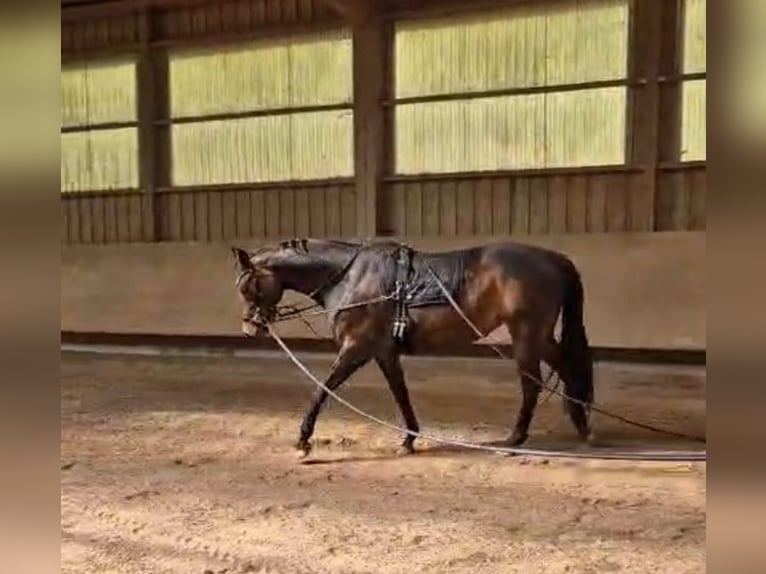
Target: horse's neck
311, 272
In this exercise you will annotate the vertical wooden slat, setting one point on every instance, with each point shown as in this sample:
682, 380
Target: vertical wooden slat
616, 203
175, 215
110, 219
272, 212
465, 208
306, 10
289, 11
258, 12
273, 11
483, 207
640, 199
302, 212
663, 206
201, 217
597, 190
348, 211
99, 224
75, 231
257, 214
86, 220
215, 209
189, 214
502, 206
431, 209
287, 213
698, 213
332, 210
213, 18
243, 214
63, 204
317, 212
123, 218
399, 208
521, 206
229, 214
538, 205
414, 206
243, 15
681, 201
149, 225
557, 203
229, 20
135, 218
577, 204
448, 209
199, 20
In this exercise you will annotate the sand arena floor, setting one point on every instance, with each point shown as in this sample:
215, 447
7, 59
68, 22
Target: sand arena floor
185, 465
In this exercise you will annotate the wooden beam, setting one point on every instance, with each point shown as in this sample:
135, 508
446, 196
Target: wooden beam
354, 11
370, 62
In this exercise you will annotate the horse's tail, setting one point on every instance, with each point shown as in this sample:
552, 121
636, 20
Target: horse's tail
574, 341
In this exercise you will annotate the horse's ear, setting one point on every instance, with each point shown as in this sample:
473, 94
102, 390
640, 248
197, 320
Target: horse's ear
242, 258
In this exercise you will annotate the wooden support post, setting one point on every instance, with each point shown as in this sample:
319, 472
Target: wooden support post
152, 141
370, 64
653, 50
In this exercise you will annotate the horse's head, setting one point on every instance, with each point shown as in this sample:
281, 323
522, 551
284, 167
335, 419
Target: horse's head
260, 291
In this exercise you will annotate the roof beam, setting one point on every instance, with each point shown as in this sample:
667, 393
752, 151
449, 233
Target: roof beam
354, 11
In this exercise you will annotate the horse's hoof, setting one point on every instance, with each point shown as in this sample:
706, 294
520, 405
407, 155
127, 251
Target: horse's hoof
302, 450
405, 449
516, 439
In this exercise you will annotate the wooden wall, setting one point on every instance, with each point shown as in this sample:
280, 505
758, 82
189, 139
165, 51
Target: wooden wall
652, 192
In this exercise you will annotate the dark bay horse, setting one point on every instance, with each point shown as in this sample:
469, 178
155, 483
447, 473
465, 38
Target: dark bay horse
520, 286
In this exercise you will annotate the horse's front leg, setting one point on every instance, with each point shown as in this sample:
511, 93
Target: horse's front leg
350, 358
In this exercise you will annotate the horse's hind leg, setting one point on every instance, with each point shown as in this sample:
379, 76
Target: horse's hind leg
528, 361
350, 358
389, 363
554, 356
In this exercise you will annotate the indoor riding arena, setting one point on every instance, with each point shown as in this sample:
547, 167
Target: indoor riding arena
193, 126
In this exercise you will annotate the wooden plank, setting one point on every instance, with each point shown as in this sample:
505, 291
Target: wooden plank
465, 208
64, 208
617, 203
414, 207
148, 224
521, 206
332, 211
289, 11
502, 202
538, 205
640, 199
431, 207
483, 210
663, 214
175, 216
199, 20
242, 213
698, 211
258, 12
229, 214
577, 204
272, 212
110, 220
215, 211
97, 213
86, 220
136, 216
306, 10
123, 219
213, 19
201, 217
317, 211
398, 207
448, 209
597, 190
188, 215
287, 213
257, 214
348, 218
75, 229
302, 212
558, 187
681, 201
273, 11
229, 17
243, 15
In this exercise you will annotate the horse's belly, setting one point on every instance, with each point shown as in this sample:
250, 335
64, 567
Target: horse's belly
440, 326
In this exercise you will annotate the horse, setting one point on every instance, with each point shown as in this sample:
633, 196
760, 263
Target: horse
372, 289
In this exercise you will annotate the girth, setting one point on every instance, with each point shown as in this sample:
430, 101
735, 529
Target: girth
403, 260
